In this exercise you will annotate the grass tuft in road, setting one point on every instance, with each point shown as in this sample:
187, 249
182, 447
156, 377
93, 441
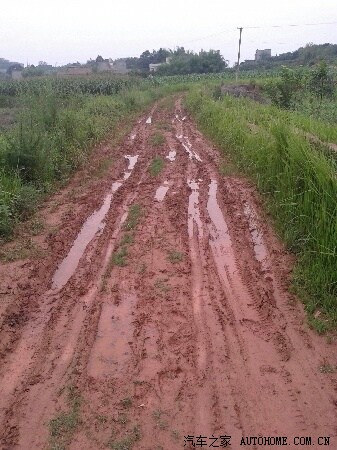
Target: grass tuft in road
175, 257
157, 139
64, 425
133, 217
128, 442
156, 166
119, 257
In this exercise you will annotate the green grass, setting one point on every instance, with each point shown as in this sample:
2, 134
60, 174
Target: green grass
156, 166
126, 402
64, 425
122, 419
134, 215
157, 139
103, 168
297, 180
175, 257
128, 441
22, 249
162, 286
159, 420
162, 125
119, 257
327, 368
127, 239
58, 124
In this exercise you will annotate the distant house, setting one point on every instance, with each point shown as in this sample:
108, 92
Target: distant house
119, 67
155, 67
104, 66
261, 55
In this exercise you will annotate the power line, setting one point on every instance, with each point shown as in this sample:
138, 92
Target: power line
225, 30
294, 25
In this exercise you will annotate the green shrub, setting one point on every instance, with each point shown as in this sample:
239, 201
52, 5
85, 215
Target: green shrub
26, 201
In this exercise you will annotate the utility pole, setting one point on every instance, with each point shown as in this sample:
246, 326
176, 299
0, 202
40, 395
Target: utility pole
238, 65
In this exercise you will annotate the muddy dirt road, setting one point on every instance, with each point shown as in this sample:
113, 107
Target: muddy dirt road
158, 309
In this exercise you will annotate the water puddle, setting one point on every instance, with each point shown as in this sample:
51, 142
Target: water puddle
260, 250
111, 350
195, 233
91, 227
149, 120
188, 147
224, 257
161, 191
193, 209
172, 155
221, 241
132, 162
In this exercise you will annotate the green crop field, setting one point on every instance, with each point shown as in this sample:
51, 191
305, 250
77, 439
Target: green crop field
54, 124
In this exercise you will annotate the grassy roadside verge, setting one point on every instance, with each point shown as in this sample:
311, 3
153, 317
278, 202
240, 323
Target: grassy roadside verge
54, 136
298, 181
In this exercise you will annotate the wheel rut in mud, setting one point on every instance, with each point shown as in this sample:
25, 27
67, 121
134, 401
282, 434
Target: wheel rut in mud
166, 311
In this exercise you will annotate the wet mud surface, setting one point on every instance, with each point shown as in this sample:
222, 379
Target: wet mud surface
161, 304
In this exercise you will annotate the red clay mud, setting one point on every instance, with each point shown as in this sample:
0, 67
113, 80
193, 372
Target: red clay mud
177, 322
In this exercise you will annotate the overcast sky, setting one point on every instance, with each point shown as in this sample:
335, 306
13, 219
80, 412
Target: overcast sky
62, 31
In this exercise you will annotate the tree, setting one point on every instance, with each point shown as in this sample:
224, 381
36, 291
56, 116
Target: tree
188, 62
99, 59
321, 83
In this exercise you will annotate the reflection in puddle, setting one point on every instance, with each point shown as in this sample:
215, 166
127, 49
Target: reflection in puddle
93, 225
149, 120
172, 155
260, 249
193, 209
161, 191
224, 257
188, 147
132, 161
221, 241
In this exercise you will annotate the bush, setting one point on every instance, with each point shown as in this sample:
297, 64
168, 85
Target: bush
26, 201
